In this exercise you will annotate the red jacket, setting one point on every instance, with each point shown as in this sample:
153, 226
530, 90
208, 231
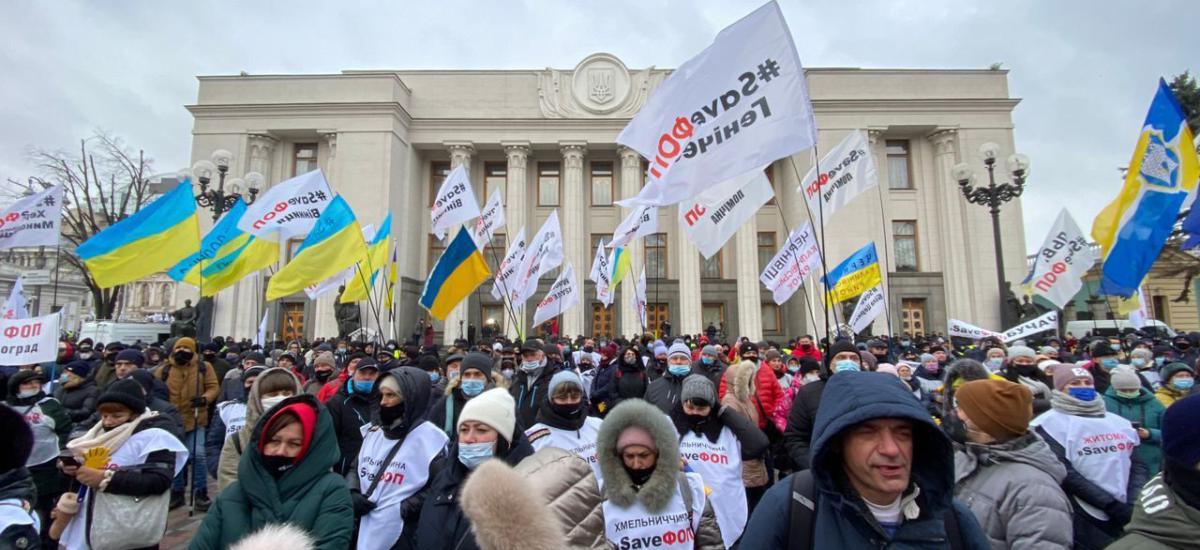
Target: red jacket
813, 353
767, 393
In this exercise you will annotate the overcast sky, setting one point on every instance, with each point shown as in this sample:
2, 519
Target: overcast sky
1085, 71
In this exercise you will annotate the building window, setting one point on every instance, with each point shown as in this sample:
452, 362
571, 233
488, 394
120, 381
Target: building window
292, 246
771, 321
598, 238
493, 316
766, 249
494, 253
548, 183
165, 296
656, 256
436, 247
1158, 309
144, 295
438, 171
714, 314
603, 323
904, 244
495, 174
304, 158
912, 316
602, 184
898, 164
711, 268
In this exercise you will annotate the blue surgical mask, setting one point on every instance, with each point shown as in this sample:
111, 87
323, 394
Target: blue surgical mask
707, 360
1109, 363
530, 366
434, 376
363, 386
995, 364
473, 454
472, 387
679, 370
1183, 384
1082, 394
845, 365
1138, 362
1159, 361
793, 369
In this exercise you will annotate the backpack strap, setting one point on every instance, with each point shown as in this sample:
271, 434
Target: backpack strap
685, 489
383, 467
237, 443
953, 533
803, 510
448, 423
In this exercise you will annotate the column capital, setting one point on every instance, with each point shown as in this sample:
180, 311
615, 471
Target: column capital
873, 135
330, 137
944, 140
262, 139
573, 153
629, 157
517, 151
460, 151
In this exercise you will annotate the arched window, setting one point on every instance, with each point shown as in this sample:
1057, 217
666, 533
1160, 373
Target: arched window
144, 295
165, 297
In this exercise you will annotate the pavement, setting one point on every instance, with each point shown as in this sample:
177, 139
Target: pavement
181, 527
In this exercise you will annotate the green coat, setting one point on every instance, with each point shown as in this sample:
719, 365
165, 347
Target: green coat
1148, 410
309, 495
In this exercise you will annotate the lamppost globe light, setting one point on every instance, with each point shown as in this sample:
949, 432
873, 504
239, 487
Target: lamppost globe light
254, 181
184, 173
989, 151
1018, 164
961, 172
222, 158
236, 185
203, 170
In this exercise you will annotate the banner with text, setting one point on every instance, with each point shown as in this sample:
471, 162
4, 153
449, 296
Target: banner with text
489, 221
1048, 321
545, 252
511, 263
15, 307
799, 257
602, 275
454, 203
719, 212
32, 220
846, 171
28, 341
641, 221
870, 305
1061, 263
288, 209
563, 294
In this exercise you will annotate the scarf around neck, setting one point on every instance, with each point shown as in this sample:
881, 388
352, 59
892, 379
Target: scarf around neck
111, 439
1066, 404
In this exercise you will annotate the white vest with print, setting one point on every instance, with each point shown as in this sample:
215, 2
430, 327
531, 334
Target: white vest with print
45, 440
233, 414
407, 473
636, 527
581, 442
1099, 448
720, 465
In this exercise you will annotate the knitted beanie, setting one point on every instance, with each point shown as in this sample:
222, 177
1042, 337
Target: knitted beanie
1000, 408
1125, 379
1065, 374
127, 393
564, 377
495, 408
635, 435
132, 355
679, 348
481, 362
698, 388
325, 358
1021, 351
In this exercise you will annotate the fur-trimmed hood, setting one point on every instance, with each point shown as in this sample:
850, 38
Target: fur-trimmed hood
618, 487
741, 375
276, 535
495, 494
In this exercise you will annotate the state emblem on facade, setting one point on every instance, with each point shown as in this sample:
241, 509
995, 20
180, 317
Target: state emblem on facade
600, 84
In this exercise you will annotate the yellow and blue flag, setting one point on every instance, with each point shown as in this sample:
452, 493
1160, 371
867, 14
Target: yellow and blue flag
357, 288
153, 239
1133, 228
242, 256
334, 244
218, 242
620, 265
457, 273
855, 275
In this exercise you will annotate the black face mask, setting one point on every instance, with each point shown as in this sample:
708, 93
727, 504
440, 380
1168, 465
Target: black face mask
278, 465
571, 412
751, 358
956, 429
322, 375
587, 349
696, 420
183, 356
639, 477
389, 415
880, 357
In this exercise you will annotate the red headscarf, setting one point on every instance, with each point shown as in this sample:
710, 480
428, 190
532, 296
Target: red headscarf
308, 424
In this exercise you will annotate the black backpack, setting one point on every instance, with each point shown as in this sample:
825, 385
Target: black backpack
803, 510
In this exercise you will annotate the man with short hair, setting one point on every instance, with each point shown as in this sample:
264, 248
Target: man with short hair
350, 410
531, 381
664, 393
126, 362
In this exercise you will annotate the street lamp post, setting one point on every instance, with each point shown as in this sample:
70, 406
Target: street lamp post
220, 200
992, 196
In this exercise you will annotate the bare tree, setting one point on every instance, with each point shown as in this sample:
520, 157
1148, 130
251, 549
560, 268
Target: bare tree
104, 182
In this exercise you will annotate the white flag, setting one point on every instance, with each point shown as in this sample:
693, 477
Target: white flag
870, 305
328, 285
639, 298
1139, 317
1061, 263
512, 262
741, 103
563, 294
33, 220
489, 221
288, 209
719, 212
455, 202
16, 307
846, 171
545, 252
602, 275
786, 271
28, 341
1046, 322
967, 330
261, 337
641, 221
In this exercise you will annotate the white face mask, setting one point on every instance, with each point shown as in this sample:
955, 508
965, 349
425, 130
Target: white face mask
268, 402
812, 377
25, 394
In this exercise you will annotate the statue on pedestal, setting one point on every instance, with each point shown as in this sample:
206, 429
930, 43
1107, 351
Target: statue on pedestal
185, 320
348, 316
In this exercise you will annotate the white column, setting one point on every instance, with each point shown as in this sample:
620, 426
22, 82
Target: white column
574, 211
687, 271
631, 183
956, 272
881, 219
516, 190
749, 301
460, 153
323, 322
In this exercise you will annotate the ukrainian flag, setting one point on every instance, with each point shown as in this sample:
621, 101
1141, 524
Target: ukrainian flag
855, 275
237, 259
357, 288
1132, 229
458, 272
620, 265
334, 244
153, 239
218, 242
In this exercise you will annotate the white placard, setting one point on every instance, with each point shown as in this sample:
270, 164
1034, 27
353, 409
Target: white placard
29, 341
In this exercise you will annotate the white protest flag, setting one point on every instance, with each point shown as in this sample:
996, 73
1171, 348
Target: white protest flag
720, 211
16, 307
28, 341
289, 208
870, 305
328, 285
741, 103
489, 221
261, 337
545, 252
1059, 266
1046, 322
639, 298
512, 262
967, 330
1139, 317
846, 171
563, 294
32, 220
454, 203
602, 275
642, 221
786, 271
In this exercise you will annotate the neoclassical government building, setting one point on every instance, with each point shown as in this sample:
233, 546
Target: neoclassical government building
545, 138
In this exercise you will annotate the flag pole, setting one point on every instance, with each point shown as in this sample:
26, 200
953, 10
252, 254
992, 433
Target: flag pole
824, 271
504, 287
886, 271
787, 241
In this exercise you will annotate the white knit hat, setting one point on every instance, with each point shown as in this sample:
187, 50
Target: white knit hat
495, 408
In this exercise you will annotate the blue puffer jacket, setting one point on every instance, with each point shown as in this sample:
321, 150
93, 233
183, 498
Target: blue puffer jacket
842, 518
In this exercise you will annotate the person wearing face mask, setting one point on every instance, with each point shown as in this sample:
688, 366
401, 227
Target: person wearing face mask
645, 492
1177, 382
806, 348
879, 350
350, 410
486, 429
1022, 369
1104, 473
1185, 351
562, 420
267, 388
191, 386
994, 359
1105, 358
664, 392
86, 352
1142, 361
51, 426
477, 376
740, 399
143, 456
629, 380
710, 364
337, 382
229, 418
284, 477
529, 386
212, 354
400, 453
323, 369
797, 437
453, 368
232, 386
767, 391
103, 373
1128, 398
433, 369
77, 392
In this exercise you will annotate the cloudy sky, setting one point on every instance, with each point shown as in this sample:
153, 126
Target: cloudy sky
1084, 70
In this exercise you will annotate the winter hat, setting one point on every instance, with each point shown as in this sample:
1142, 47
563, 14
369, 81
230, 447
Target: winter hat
132, 355
808, 364
258, 358
1143, 353
927, 357
563, 377
20, 440
78, 368
773, 354
748, 346
839, 347
368, 363
454, 358
1181, 432
679, 348
477, 361
635, 435
698, 388
146, 379
495, 408
1000, 408
427, 363
1102, 349
1124, 378
887, 368
1068, 374
869, 361
127, 393
324, 358
660, 349
1021, 351
253, 372
1047, 350
185, 342
709, 350
1171, 369
276, 535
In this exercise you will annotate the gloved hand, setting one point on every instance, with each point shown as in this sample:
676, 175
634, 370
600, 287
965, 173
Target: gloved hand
199, 402
1119, 512
362, 505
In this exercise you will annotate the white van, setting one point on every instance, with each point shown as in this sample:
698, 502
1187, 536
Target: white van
126, 332
1116, 328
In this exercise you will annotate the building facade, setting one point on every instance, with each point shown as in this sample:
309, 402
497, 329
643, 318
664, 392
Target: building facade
546, 140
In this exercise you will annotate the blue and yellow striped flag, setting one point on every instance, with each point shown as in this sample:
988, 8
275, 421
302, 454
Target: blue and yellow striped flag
358, 288
153, 239
620, 265
334, 244
218, 242
1132, 230
855, 275
458, 272
237, 259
